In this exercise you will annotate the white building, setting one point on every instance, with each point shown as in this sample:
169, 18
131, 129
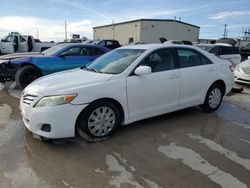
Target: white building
148, 31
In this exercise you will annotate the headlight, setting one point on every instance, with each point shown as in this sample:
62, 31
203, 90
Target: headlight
55, 100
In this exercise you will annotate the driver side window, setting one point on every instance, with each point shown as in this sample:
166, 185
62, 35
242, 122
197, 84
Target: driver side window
160, 60
75, 51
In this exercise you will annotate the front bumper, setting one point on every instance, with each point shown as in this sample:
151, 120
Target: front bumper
7, 72
62, 119
241, 77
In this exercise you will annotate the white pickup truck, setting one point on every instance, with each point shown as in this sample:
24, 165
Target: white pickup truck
16, 42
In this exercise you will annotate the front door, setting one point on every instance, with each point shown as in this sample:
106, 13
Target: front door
155, 93
23, 47
7, 45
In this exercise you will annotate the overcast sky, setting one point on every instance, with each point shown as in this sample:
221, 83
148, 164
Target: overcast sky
47, 16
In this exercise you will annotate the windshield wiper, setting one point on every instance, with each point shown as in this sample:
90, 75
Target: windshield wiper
90, 69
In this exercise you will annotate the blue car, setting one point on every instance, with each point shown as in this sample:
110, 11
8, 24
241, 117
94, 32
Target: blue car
57, 58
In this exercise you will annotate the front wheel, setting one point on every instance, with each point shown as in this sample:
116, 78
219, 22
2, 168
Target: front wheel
27, 74
100, 119
213, 99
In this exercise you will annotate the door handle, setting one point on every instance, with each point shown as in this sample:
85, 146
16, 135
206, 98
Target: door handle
173, 76
210, 69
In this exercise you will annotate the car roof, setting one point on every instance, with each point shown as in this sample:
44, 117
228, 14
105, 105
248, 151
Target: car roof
212, 45
64, 45
157, 46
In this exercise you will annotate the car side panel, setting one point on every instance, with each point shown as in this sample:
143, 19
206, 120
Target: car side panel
194, 83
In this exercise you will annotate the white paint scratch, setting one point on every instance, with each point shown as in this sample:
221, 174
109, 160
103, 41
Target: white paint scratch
124, 161
151, 183
197, 163
99, 171
244, 140
242, 125
227, 153
66, 184
124, 177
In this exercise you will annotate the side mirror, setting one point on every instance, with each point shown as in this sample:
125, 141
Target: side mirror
3, 40
143, 70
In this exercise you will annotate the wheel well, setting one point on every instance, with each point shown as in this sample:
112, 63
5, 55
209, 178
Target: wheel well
222, 84
104, 99
29, 64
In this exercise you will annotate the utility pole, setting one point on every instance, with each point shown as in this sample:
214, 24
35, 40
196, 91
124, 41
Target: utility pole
65, 24
37, 33
113, 28
225, 31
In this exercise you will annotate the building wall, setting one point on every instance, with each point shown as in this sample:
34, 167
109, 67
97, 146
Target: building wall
147, 31
151, 31
120, 32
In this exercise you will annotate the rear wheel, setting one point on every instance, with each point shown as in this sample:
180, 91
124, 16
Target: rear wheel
100, 119
214, 98
27, 74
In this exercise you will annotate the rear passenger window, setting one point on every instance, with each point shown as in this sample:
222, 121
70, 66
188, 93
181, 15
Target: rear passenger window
191, 58
215, 50
160, 60
229, 50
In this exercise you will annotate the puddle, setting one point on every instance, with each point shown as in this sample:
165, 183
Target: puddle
24, 176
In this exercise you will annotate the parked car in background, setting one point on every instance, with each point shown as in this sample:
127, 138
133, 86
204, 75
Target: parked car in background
245, 52
164, 40
242, 72
16, 42
57, 58
123, 86
223, 51
111, 44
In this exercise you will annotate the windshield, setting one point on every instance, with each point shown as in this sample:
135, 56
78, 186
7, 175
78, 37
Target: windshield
54, 49
115, 61
247, 46
204, 47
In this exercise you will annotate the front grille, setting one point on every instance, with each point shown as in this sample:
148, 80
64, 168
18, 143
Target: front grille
246, 70
28, 99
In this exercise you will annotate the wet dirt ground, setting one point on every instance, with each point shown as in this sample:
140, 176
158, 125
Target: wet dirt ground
183, 149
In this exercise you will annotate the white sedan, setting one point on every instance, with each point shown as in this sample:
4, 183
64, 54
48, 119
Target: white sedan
123, 86
242, 72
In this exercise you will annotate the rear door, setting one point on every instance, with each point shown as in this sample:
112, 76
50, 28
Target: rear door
197, 73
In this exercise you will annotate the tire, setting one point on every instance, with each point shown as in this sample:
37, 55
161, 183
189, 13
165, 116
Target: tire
213, 98
90, 123
27, 74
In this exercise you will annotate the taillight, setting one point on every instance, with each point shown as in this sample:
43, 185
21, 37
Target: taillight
231, 67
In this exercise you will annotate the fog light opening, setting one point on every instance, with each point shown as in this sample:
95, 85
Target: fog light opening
46, 127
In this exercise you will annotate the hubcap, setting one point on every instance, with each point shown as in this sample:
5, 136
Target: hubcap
214, 98
101, 121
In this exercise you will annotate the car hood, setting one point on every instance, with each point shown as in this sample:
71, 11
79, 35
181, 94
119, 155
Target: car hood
245, 63
66, 81
19, 55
